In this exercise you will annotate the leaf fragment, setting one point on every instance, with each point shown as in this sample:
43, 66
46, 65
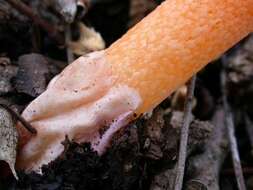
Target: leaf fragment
8, 140
33, 74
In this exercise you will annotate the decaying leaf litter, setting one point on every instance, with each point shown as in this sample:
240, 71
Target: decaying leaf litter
9, 140
144, 155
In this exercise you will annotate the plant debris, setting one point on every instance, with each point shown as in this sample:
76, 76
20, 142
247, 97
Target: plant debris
7, 72
8, 140
184, 134
33, 74
89, 41
130, 164
205, 167
144, 155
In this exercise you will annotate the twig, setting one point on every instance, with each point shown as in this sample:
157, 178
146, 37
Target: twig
168, 132
26, 10
231, 130
27, 125
184, 135
70, 55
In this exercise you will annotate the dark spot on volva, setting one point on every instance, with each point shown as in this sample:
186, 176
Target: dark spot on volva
102, 130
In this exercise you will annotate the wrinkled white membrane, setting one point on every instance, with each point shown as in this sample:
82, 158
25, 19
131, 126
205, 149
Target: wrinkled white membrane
73, 106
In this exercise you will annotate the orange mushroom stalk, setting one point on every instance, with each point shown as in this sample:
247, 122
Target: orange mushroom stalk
104, 90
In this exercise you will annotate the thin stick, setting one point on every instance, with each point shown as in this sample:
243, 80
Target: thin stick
70, 55
26, 10
27, 125
184, 135
231, 131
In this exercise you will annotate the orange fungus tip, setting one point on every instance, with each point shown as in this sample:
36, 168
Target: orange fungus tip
111, 87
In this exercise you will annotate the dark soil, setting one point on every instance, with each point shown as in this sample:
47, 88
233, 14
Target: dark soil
131, 163
144, 154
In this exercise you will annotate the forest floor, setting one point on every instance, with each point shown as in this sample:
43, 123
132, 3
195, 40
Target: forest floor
144, 155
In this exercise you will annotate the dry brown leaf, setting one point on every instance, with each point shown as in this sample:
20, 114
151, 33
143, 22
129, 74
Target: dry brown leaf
33, 74
8, 140
7, 72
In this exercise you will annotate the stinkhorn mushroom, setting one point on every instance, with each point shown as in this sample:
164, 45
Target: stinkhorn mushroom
101, 92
